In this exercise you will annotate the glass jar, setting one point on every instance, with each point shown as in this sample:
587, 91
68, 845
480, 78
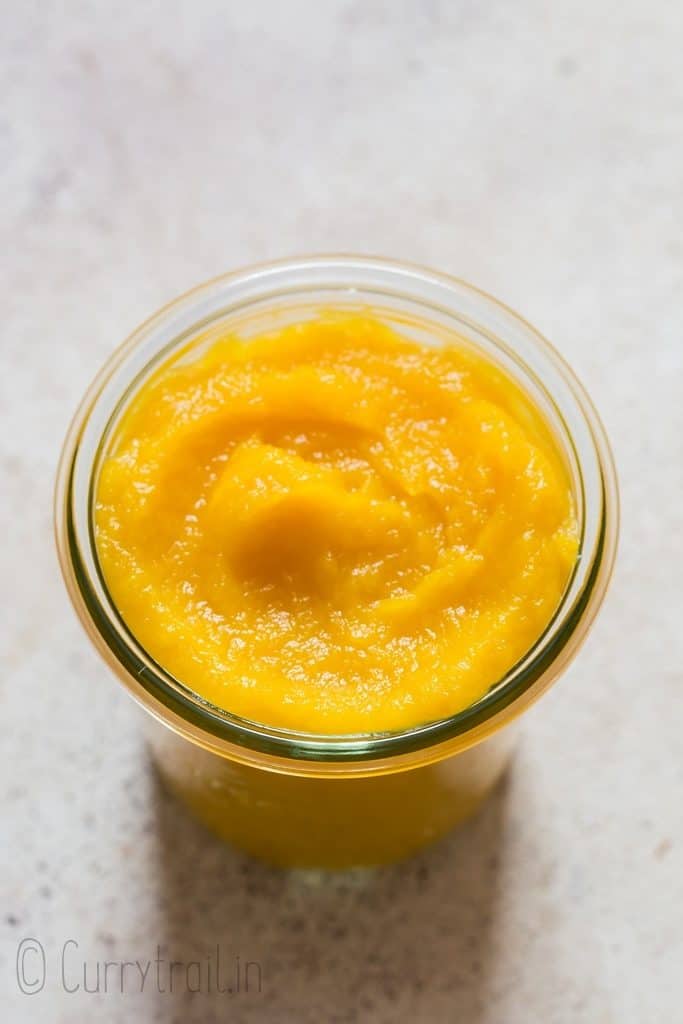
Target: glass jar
300, 799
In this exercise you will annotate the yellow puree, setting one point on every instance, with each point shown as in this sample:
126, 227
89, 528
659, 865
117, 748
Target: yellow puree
333, 529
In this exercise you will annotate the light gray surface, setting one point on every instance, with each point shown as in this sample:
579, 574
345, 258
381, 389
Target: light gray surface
533, 148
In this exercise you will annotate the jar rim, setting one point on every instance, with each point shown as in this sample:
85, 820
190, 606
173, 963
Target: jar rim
279, 749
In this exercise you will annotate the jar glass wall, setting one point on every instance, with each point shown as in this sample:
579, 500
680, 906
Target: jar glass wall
299, 798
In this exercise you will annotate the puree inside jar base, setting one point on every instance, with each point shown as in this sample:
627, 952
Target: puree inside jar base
290, 821
333, 529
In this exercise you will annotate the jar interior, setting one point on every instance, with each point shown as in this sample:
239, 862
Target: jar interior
433, 317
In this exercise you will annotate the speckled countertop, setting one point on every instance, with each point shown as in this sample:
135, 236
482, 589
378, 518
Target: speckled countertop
534, 149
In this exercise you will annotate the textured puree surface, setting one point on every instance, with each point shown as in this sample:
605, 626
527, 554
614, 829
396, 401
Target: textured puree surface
332, 528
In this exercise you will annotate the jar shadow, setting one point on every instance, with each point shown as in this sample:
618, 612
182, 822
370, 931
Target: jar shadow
413, 941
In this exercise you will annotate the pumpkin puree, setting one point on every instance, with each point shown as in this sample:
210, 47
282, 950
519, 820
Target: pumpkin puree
333, 529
